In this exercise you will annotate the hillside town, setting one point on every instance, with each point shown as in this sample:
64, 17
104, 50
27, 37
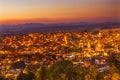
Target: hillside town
35, 50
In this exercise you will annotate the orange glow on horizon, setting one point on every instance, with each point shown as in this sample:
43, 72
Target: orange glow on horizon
52, 13
45, 20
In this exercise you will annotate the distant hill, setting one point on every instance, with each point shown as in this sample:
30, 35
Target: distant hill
39, 27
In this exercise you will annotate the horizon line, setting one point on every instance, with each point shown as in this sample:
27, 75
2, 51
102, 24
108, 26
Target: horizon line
74, 22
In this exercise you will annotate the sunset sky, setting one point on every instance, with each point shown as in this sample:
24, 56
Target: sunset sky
49, 11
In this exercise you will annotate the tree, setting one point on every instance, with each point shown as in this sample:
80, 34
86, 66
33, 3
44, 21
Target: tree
93, 72
2, 77
113, 61
62, 70
114, 64
81, 72
30, 75
22, 76
41, 73
87, 73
